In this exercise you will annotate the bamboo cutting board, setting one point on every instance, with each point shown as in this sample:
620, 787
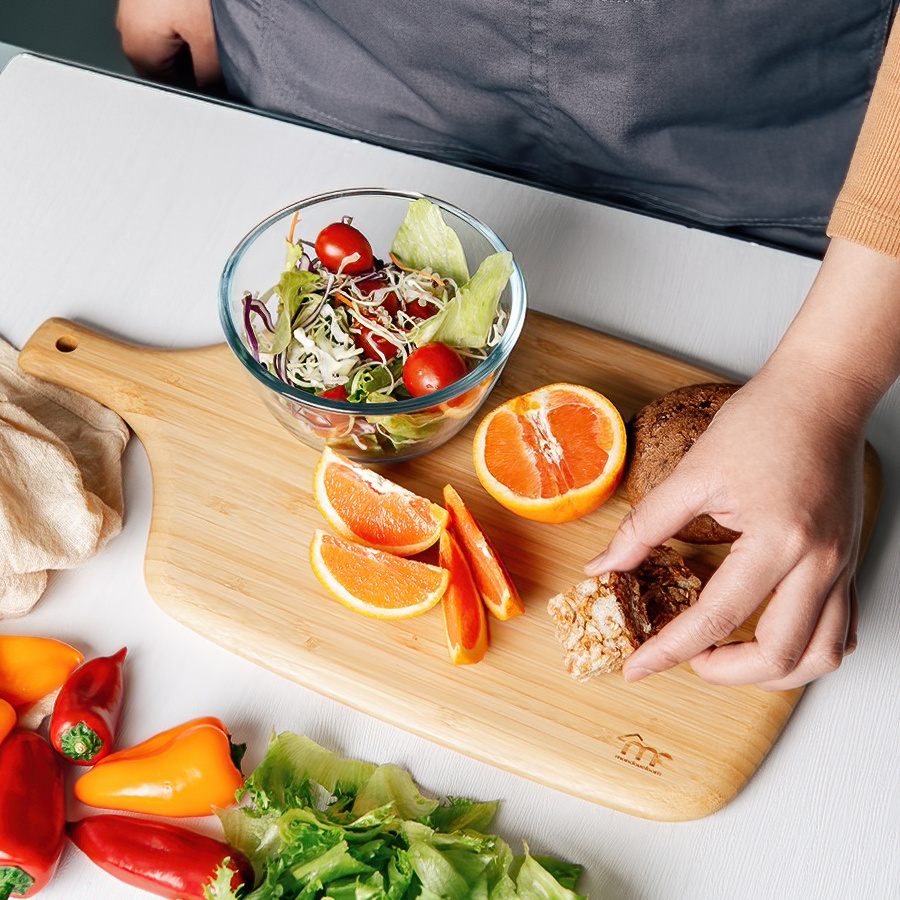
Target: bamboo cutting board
233, 515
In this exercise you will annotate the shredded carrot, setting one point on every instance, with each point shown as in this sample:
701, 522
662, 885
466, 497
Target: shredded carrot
438, 281
294, 223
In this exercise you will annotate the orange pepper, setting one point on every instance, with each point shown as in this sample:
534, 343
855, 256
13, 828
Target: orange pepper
32, 667
151, 745
184, 771
8, 719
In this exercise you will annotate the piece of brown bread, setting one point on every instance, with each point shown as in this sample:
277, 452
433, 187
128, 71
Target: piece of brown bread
660, 435
602, 620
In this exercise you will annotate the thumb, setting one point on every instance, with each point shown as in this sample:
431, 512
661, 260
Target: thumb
659, 515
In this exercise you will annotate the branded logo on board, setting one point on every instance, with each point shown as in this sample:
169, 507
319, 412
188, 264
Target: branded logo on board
635, 753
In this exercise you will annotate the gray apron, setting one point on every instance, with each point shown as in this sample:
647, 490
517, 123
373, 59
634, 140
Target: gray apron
740, 115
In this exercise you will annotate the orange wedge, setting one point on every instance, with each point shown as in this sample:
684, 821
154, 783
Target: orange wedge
464, 620
553, 454
491, 576
374, 582
364, 506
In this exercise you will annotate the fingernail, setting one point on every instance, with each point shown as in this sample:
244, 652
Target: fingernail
595, 566
636, 673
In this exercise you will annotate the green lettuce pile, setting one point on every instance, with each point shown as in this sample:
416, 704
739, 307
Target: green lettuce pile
315, 825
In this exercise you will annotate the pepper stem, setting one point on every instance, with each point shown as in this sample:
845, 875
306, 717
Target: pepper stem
14, 880
80, 742
237, 756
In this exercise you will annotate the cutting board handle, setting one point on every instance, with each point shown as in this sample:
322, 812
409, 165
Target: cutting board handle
132, 380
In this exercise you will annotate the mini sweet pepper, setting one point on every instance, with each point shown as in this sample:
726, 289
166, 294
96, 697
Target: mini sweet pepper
183, 771
158, 857
87, 709
32, 667
8, 718
32, 813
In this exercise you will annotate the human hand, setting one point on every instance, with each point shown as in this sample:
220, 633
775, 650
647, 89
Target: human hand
172, 41
782, 464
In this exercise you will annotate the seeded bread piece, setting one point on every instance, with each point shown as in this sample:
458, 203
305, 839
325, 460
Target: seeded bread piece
592, 624
603, 619
668, 587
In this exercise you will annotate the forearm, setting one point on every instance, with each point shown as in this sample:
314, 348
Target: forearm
845, 340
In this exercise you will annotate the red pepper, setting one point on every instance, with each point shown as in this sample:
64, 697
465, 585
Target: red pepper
87, 709
32, 813
164, 859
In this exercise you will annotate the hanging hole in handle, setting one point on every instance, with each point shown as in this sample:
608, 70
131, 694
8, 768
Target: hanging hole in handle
67, 343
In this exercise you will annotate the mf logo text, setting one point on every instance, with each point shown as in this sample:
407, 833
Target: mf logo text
636, 753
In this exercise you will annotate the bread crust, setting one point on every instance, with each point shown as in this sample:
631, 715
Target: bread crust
660, 435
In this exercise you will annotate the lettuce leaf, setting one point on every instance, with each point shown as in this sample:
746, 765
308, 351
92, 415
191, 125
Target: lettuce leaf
367, 384
293, 766
536, 882
461, 813
296, 290
293, 254
318, 826
390, 784
466, 320
425, 241
406, 428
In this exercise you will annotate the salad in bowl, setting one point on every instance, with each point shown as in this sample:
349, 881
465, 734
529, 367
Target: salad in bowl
383, 327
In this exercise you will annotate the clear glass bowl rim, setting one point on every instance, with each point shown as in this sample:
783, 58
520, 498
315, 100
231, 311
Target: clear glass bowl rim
485, 369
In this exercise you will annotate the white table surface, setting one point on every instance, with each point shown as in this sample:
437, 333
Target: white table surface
119, 203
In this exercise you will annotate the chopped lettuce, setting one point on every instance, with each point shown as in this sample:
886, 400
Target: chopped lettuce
467, 319
424, 241
297, 292
392, 785
411, 427
293, 255
460, 813
542, 878
318, 826
368, 384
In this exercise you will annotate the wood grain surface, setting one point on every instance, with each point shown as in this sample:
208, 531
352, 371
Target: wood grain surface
227, 555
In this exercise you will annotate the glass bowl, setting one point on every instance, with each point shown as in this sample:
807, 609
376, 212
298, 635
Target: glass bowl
367, 432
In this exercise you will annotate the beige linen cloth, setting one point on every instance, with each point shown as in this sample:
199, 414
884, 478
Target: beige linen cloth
60, 481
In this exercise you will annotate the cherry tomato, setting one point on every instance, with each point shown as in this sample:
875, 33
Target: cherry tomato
390, 302
338, 241
420, 309
431, 368
374, 346
339, 392
327, 424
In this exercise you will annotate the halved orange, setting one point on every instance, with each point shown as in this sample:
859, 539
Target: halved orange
364, 506
553, 454
491, 576
374, 582
465, 623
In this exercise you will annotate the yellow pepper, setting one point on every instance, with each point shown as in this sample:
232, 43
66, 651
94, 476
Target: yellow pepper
8, 719
184, 771
32, 667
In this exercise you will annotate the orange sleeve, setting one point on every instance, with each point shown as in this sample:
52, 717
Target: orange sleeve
867, 210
